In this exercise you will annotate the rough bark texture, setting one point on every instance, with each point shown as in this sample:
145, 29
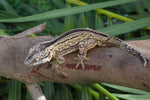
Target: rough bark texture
107, 64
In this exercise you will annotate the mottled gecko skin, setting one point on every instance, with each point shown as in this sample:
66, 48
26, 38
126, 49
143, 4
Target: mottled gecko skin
77, 39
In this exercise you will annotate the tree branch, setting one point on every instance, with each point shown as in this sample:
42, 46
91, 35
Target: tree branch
34, 30
108, 64
35, 91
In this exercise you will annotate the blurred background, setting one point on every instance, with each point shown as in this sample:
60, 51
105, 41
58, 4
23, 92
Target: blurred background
125, 19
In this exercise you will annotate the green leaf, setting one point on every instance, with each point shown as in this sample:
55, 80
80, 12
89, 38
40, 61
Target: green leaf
52, 26
99, 22
94, 93
8, 15
126, 89
32, 35
8, 7
139, 16
69, 21
140, 38
59, 3
2, 26
126, 27
14, 90
104, 91
30, 9
127, 8
28, 96
58, 94
85, 93
133, 97
49, 90
66, 93
4, 88
147, 4
109, 21
83, 23
139, 8
66, 11
2, 32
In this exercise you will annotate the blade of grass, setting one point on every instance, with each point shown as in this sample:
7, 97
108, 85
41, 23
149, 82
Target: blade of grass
6, 15
2, 32
99, 23
2, 26
102, 11
109, 21
104, 91
8, 7
139, 16
66, 11
127, 8
126, 27
4, 89
14, 90
83, 23
139, 8
49, 90
30, 9
105, 12
28, 96
66, 93
126, 89
143, 32
69, 21
58, 94
93, 92
133, 97
59, 3
147, 3
85, 93
140, 38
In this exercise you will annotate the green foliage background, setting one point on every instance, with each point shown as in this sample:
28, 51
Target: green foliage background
125, 19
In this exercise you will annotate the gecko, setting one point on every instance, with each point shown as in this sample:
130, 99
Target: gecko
80, 39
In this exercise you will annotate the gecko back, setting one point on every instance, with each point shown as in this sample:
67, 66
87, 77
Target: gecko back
115, 42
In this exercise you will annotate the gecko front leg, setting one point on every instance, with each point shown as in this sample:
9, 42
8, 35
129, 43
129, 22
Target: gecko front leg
58, 59
84, 46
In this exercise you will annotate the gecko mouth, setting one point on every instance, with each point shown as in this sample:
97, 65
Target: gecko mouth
32, 63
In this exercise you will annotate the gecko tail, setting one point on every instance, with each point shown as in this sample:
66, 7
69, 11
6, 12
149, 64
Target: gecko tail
135, 53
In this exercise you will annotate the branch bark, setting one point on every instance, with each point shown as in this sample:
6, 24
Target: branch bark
33, 30
35, 91
107, 64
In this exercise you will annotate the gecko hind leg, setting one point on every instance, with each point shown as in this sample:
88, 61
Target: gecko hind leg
84, 46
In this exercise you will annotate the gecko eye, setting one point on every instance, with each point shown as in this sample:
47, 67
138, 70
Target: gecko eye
37, 59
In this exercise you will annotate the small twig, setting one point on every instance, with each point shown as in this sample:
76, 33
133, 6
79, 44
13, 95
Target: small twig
35, 91
33, 30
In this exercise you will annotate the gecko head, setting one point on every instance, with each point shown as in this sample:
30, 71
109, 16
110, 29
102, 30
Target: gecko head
38, 54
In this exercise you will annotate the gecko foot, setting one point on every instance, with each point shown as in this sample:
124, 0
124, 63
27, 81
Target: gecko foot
55, 67
80, 60
60, 59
